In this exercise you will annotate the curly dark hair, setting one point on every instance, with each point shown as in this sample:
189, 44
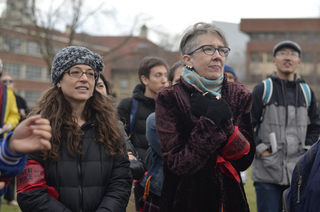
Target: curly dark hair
54, 107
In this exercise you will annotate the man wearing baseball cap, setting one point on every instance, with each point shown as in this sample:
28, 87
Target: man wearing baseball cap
286, 119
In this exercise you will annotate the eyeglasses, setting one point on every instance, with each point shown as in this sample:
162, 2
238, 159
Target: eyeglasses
285, 53
210, 50
75, 73
5, 81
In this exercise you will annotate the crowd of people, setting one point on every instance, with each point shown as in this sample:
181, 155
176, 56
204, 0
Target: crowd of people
182, 142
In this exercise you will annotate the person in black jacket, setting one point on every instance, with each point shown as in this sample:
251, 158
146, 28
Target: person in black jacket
153, 77
137, 166
87, 168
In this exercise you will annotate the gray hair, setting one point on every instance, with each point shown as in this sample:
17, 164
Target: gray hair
189, 40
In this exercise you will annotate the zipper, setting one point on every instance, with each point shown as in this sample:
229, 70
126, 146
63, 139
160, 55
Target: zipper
299, 182
80, 183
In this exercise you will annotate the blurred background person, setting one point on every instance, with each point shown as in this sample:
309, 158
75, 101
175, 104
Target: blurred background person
9, 120
133, 112
230, 72
23, 109
152, 204
137, 166
175, 72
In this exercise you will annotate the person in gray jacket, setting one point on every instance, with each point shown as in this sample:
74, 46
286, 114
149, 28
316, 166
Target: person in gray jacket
286, 124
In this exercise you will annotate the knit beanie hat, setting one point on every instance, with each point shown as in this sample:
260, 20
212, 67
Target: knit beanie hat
74, 55
228, 68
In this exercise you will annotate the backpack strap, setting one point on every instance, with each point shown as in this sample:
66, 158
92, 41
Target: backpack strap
266, 96
267, 91
133, 113
306, 92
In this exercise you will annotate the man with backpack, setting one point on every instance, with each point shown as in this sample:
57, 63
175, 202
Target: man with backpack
134, 111
286, 120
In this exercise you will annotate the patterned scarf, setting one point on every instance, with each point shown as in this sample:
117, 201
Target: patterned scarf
203, 84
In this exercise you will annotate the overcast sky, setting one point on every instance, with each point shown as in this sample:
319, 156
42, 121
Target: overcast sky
174, 16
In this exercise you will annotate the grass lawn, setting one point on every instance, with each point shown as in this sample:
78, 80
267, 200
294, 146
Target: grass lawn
8, 208
250, 192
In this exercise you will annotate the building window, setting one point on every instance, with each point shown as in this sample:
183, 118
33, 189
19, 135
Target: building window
32, 97
48, 75
123, 83
33, 73
256, 57
33, 48
11, 44
307, 57
13, 69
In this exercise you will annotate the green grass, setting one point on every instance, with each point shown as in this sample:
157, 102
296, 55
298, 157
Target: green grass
250, 192
8, 208
249, 189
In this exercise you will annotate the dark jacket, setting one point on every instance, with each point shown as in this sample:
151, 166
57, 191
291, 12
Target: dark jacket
89, 182
156, 170
189, 145
295, 126
137, 167
145, 108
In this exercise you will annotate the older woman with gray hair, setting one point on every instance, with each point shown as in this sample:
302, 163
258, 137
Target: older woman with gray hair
204, 126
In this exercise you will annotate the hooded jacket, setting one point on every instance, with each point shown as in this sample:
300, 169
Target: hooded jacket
92, 181
192, 181
146, 106
295, 126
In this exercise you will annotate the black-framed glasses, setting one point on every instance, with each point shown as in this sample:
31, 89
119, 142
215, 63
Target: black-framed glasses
5, 81
210, 50
76, 73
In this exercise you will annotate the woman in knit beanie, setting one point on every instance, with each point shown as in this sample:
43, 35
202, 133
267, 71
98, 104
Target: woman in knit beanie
87, 168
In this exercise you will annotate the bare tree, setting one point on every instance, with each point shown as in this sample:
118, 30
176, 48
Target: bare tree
42, 23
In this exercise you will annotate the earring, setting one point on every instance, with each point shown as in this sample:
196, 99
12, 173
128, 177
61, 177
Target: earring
58, 86
189, 67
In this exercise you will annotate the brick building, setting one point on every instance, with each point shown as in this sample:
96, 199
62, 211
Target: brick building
22, 59
266, 33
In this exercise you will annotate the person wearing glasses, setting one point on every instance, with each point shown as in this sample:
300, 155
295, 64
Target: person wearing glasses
204, 127
287, 120
87, 168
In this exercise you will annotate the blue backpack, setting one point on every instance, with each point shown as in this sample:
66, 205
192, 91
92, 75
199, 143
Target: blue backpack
304, 192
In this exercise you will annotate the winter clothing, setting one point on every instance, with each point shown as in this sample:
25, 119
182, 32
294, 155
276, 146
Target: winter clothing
145, 108
9, 110
201, 83
137, 167
92, 181
190, 147
71, 56
155, 170
286, 43
294, 125
10, 164
229, 69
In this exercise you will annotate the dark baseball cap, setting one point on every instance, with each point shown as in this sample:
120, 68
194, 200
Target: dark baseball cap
288, 44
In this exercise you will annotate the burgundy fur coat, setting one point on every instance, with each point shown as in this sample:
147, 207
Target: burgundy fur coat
190, 145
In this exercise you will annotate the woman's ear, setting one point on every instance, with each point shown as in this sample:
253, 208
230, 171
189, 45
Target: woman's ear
187, 61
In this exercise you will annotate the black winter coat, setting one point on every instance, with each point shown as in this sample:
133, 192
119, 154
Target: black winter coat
145, 108
89, 182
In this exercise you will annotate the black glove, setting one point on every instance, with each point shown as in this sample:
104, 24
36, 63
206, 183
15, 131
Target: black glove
219, 111
200, 103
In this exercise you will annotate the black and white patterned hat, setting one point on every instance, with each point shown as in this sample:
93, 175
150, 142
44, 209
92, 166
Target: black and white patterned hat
74, 55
